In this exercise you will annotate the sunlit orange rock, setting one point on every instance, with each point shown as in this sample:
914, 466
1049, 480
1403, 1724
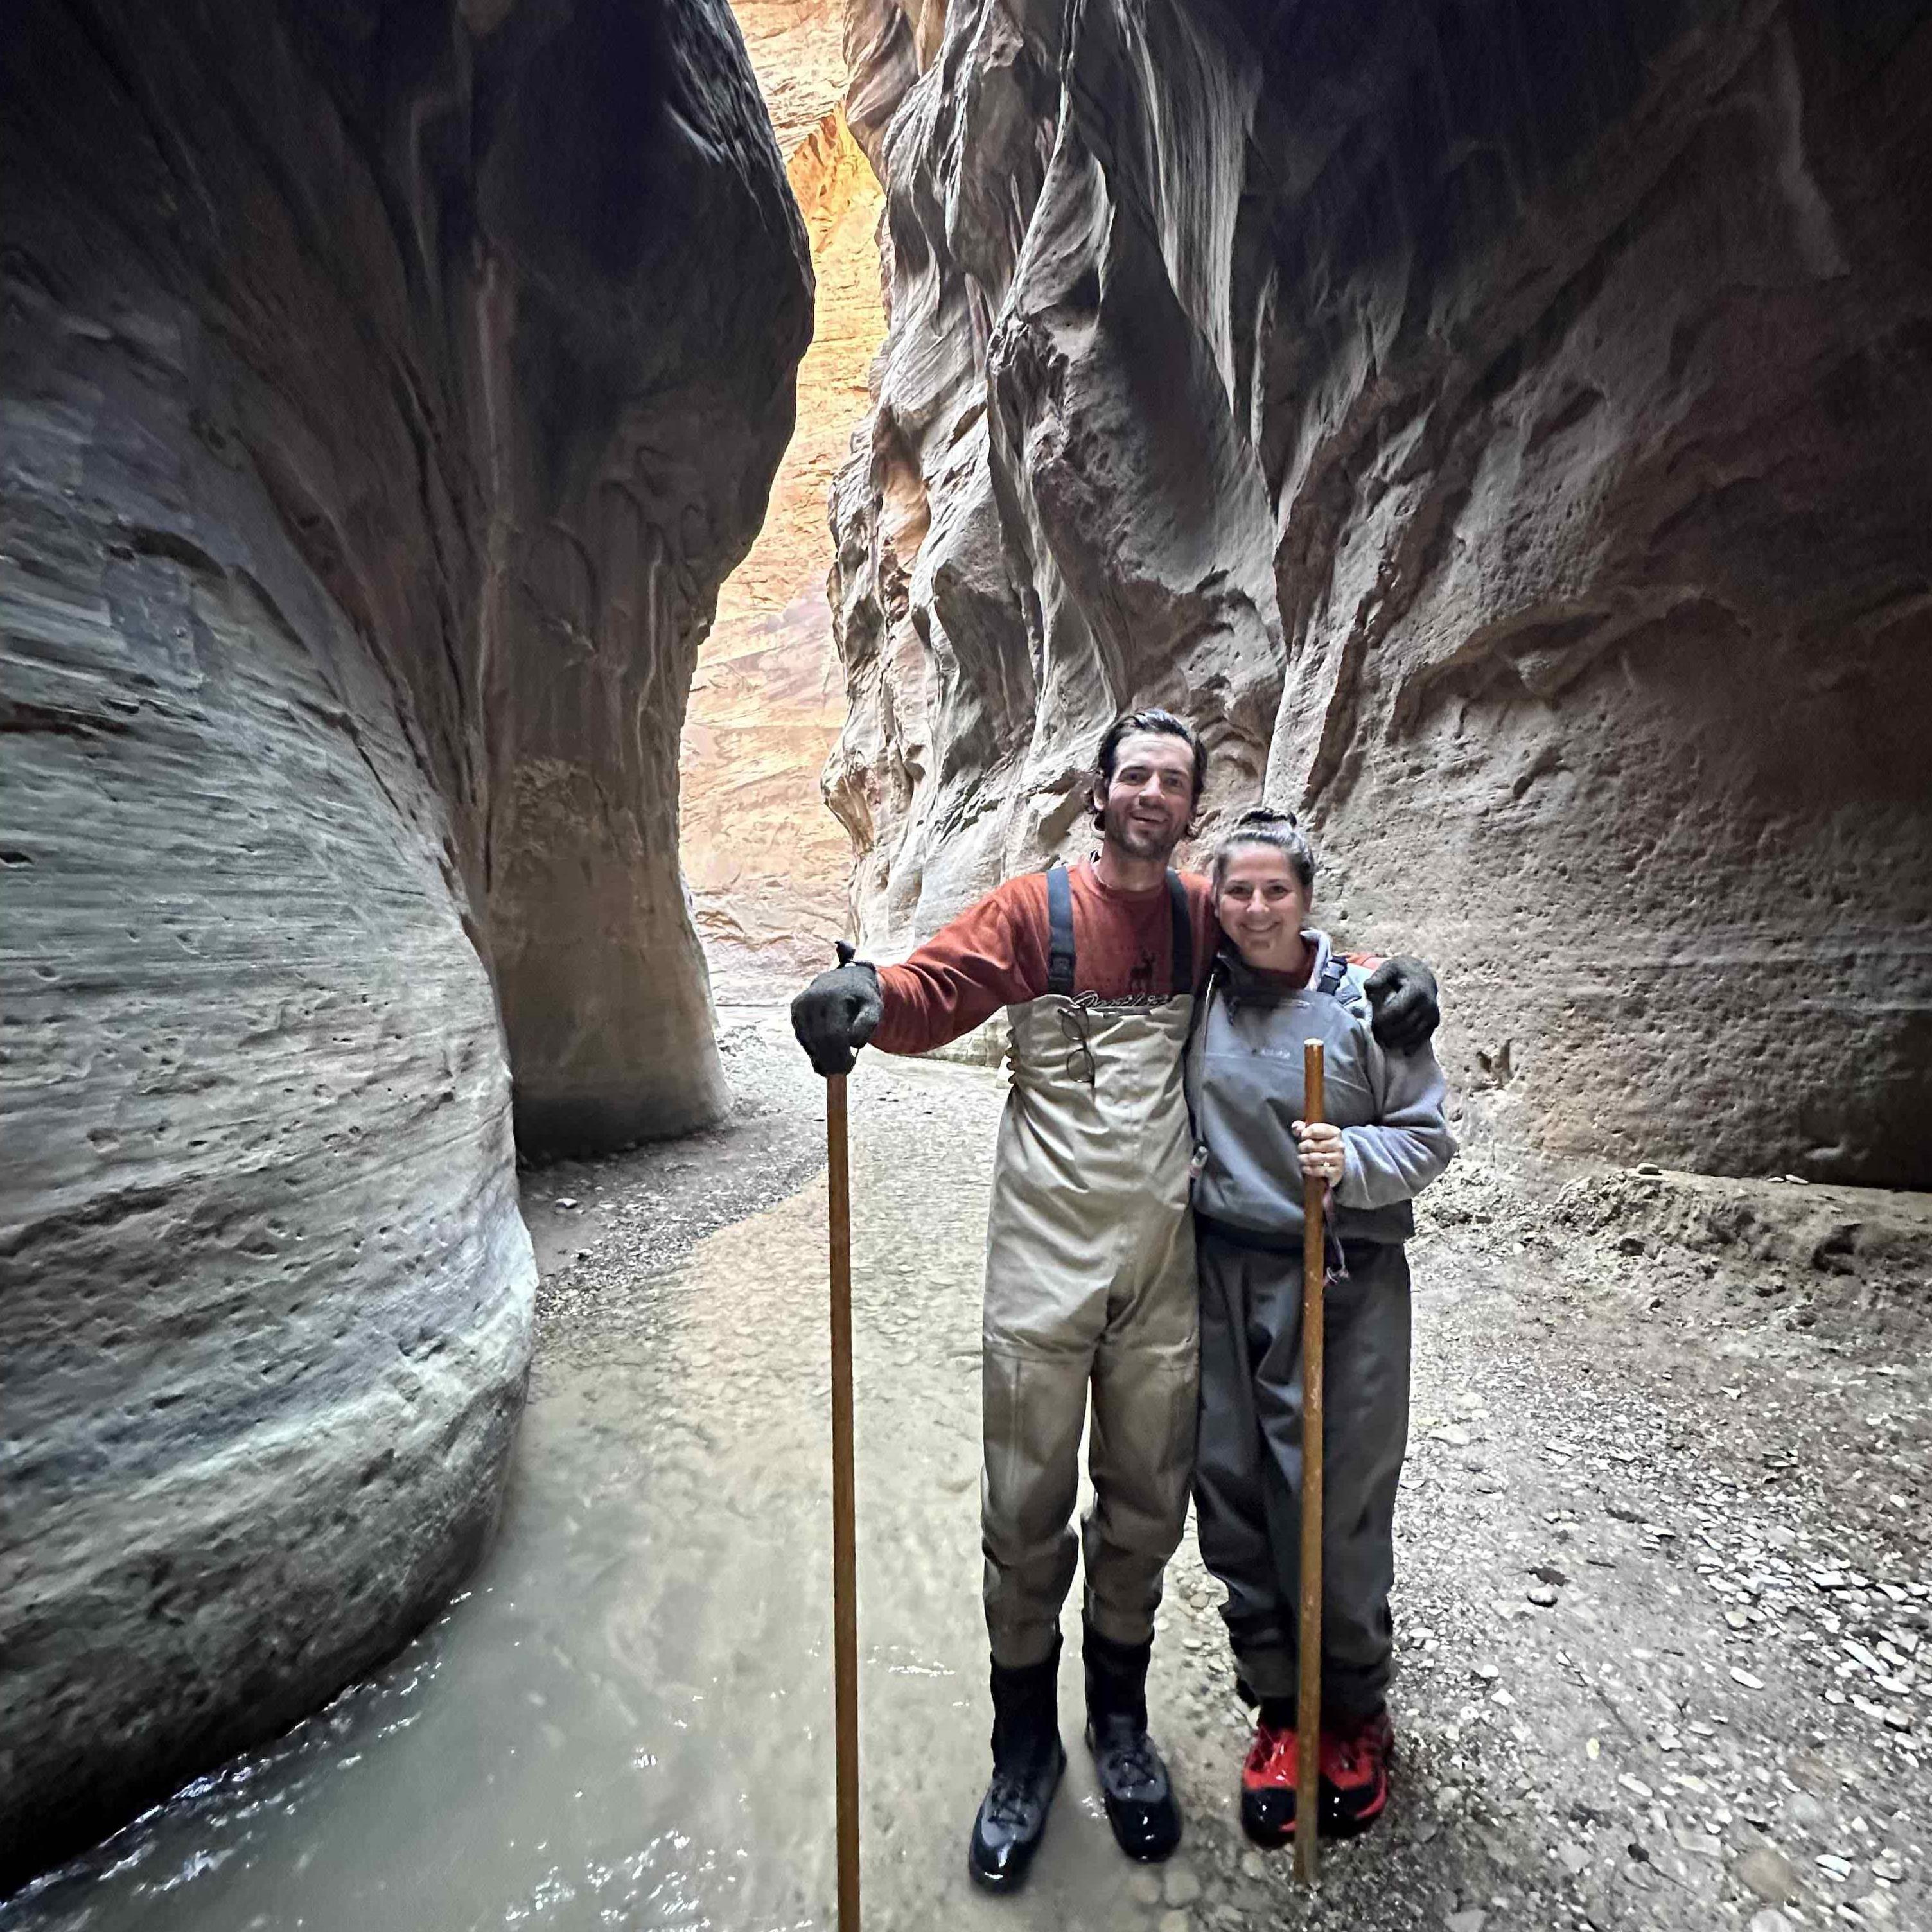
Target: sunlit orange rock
765, 862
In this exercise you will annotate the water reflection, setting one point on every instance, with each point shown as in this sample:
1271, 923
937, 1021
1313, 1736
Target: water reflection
624, 1721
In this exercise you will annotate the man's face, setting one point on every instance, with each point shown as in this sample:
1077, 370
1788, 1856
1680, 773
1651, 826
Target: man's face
1145, 806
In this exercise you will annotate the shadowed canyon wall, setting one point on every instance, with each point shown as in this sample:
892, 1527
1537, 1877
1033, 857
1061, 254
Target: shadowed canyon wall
1502, 429
766, 863
386, 390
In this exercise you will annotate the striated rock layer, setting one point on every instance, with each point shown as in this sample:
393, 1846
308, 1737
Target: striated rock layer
386, 391
1503, 432
766, 863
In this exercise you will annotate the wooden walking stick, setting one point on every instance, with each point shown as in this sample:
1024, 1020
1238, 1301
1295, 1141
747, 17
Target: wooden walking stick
1314, 1280
845, 1579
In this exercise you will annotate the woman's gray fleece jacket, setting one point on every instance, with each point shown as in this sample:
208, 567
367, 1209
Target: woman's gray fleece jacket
1244, 1087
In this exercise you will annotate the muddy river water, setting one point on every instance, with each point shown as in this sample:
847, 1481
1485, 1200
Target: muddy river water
625, 1720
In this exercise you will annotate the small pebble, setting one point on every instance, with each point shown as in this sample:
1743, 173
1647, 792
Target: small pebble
1769, 1873
1179, 1885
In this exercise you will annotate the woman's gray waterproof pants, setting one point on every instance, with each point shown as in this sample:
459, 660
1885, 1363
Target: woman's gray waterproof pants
1247, 1478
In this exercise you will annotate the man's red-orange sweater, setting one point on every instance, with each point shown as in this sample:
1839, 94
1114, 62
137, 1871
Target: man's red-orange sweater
994, 955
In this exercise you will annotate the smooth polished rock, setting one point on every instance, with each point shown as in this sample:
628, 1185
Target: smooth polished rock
386, 391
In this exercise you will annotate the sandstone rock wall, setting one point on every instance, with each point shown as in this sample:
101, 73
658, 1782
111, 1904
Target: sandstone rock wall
1501, 430
765, 862
386, 391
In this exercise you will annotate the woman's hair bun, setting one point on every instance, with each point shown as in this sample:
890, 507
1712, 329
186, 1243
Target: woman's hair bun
1263, 825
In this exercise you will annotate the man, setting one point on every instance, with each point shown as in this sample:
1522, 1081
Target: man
1089, 1259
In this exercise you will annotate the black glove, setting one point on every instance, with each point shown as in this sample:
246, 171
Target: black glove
1401, 999
838, 1013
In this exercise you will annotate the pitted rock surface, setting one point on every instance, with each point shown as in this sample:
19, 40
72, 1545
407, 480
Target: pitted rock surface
1502, 434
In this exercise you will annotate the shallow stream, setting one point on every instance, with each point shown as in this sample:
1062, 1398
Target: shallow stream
625, 1720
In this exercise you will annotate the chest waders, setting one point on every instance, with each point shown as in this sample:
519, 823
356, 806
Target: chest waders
1090, 1288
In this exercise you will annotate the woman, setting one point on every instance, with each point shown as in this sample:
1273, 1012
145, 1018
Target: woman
1276, 985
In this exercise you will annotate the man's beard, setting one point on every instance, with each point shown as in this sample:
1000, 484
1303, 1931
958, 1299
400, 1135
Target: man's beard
1137, 841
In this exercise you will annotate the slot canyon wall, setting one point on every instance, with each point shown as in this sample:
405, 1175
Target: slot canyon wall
1502, 428
765, 864
387, 389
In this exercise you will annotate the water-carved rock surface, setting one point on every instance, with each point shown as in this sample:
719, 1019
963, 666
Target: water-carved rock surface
1503, 432
386, 391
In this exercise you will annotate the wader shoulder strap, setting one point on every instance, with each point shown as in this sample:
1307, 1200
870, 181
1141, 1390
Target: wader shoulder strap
1059, 930
1333, 974
1183, 934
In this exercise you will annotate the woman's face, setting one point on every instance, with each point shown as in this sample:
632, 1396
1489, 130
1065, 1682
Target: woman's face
1262, 907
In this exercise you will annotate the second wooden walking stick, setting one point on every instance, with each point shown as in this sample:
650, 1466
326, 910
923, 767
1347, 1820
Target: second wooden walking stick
845, 1578
1314, 1283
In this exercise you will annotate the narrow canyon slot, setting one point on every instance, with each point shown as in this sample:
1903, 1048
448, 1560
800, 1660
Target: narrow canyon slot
573, 571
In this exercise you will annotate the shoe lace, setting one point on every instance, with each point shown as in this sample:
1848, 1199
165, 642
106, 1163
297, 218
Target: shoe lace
1006, 1799
1133, 1758
1352, 1746
1269, 1745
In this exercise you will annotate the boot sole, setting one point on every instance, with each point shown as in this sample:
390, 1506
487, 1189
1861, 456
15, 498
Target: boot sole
1352, 1825
1277, 1838
1269, 1838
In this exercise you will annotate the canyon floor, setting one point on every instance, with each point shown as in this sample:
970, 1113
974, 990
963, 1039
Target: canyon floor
1664, 1617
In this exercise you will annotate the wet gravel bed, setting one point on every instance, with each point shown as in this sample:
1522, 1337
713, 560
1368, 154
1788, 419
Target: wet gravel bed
1662, 1612
598, 1224
1663, 1605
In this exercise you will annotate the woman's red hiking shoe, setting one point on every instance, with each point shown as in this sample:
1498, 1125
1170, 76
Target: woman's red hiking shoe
1355, 1756
1268, 1785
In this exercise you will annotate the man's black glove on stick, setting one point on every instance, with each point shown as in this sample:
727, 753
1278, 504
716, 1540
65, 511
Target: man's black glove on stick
838, 1013
1403, 1002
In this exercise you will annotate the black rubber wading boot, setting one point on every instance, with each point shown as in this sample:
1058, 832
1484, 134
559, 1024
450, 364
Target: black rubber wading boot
1134, 1783
1027, 1761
